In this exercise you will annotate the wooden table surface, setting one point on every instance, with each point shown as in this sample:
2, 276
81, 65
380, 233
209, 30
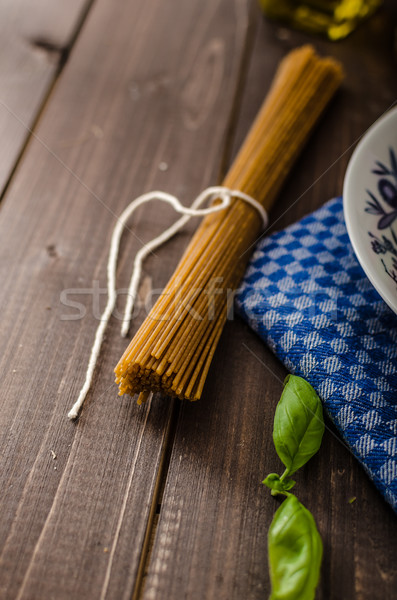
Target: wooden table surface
101, 101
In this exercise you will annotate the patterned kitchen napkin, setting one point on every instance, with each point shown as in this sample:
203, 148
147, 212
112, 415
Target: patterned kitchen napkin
308, 298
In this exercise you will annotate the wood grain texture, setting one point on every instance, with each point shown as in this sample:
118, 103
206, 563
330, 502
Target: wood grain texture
212, 533
74, 526
34, 39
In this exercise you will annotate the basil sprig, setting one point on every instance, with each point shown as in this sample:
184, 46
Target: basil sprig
298, 430
294, 543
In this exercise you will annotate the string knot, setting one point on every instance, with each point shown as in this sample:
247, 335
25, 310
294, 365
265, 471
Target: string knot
224, 194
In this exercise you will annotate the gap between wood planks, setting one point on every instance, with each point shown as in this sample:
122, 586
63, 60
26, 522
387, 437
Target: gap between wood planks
155, 509
250, 36
63, 53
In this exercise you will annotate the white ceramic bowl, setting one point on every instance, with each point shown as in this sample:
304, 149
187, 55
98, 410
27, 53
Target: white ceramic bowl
370, 205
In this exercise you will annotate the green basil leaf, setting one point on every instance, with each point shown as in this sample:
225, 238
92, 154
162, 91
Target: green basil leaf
298, 423
295, 552
274, 482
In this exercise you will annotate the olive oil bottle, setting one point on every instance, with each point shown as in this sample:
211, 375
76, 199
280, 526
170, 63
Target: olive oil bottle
333, 18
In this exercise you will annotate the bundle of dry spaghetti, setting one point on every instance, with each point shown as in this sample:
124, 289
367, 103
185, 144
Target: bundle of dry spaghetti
172, 351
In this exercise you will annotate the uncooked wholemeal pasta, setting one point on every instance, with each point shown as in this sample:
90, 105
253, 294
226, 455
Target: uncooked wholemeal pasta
173, 349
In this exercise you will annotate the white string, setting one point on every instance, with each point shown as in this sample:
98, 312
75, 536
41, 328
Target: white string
220, 192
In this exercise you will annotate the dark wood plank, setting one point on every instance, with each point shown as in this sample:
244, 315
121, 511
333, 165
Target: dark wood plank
34, 40
153, 82
211, 540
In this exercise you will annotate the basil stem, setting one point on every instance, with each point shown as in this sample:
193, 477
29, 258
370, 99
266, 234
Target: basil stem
278, 485
295, 552
298, 424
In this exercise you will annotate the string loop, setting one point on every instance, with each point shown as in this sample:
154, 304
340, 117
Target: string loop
224, 194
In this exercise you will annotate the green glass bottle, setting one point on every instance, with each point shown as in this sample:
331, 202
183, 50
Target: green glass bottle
333, 18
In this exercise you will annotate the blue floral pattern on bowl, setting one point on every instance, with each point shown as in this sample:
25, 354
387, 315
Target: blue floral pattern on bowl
380, 205
370, 205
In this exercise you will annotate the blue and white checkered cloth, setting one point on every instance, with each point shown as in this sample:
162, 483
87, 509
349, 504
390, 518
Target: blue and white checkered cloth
306, 295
